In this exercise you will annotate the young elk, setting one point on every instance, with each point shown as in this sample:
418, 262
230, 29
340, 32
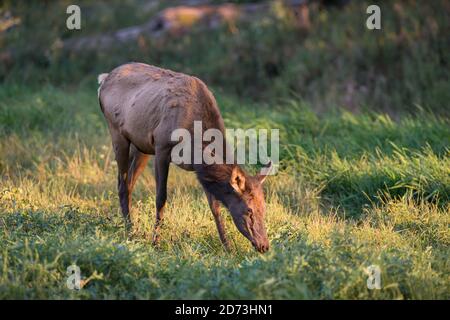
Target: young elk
143, 105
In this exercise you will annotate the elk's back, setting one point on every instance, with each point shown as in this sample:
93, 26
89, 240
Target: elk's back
146, 103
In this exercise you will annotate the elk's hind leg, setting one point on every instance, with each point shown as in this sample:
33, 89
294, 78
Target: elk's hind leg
121, 147
137, 163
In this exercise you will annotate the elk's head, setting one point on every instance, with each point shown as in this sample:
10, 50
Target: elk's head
247, 206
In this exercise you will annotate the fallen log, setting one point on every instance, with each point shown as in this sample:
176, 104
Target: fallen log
180, 19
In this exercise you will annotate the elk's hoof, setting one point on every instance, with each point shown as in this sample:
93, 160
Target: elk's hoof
155, 241
227, 247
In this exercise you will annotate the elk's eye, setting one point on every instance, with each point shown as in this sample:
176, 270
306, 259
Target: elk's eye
249, 211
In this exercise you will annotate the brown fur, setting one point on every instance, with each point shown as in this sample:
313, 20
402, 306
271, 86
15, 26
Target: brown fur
143, 105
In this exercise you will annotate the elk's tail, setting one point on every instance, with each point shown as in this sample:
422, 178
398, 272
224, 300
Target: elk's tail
100, 79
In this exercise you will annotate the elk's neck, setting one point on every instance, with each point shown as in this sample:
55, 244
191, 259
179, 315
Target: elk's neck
215, 179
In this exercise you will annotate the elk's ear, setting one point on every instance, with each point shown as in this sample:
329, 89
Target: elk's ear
237, 180
265, 171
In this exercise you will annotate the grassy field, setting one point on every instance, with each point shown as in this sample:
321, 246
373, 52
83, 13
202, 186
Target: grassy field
365, 157
354, 191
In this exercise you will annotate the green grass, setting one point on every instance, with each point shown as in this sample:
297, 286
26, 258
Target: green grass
338, 62
354, 191
365, 158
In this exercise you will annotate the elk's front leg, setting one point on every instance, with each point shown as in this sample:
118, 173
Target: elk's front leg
162, 162
214, 204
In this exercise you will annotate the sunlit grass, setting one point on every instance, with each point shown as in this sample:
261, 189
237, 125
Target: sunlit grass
333, 210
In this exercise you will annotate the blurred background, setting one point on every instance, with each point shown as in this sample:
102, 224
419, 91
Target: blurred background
318, 51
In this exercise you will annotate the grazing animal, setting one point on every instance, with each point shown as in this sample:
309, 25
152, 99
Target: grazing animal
143, 105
